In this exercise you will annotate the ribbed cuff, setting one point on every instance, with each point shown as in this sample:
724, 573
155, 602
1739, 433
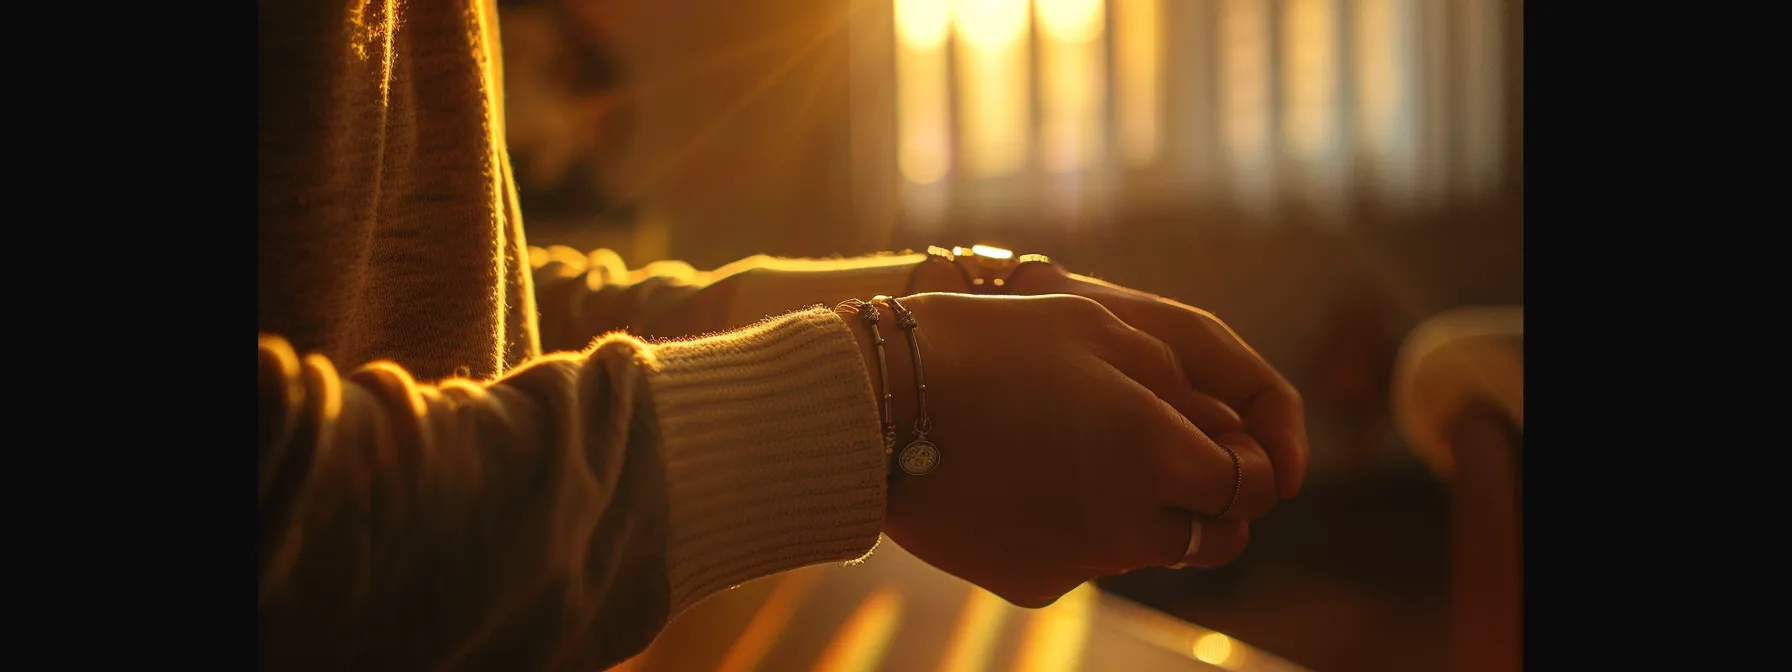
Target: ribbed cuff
773, 456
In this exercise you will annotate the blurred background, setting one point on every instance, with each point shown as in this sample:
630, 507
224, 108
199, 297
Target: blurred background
1324, 175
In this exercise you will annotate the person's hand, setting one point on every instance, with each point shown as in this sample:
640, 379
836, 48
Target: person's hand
1067, 450
1219, 364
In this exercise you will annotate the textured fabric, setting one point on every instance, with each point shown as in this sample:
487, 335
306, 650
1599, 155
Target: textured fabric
556, 517
751, 434
387, 223
516, 525
436, 493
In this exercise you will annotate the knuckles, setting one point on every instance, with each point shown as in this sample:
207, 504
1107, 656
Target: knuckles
1080, 309
1039, 279
1298, 403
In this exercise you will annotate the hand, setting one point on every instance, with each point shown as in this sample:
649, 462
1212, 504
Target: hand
1066, 447
1220, 366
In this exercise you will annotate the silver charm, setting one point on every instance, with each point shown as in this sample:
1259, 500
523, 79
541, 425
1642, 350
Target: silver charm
920, 457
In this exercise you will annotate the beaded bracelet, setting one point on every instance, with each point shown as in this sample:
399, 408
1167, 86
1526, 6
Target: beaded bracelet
920, 456
869, 315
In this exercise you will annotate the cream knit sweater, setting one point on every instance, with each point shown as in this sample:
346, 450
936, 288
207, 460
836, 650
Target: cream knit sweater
434, 491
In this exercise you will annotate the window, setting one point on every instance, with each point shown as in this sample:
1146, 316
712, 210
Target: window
1017, 105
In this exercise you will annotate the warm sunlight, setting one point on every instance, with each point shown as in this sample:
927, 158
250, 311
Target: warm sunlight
862, 640
924, 118
992, 73
1214, 649
1069, 20
768, 623
1055, 636
921, 24
1071, 81
1245, 103
1310, 70
1311, 106
974, 638
1277, 99
1480, 70
1379, 91
1137, 49
990, 24
924, 113
1385, 100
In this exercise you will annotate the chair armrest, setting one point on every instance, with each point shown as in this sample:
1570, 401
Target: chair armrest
1454, 362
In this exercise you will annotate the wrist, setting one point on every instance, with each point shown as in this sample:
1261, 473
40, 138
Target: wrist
897, 369
891, 375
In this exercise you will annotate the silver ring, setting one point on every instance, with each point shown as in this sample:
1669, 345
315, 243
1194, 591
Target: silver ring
1194, 531
1194, 543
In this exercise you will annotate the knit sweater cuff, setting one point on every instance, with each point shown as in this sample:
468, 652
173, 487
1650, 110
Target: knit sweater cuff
773, 456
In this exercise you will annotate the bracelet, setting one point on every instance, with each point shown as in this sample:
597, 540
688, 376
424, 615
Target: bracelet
984, 270
939, 255
920, 456
1026, 261
869, 315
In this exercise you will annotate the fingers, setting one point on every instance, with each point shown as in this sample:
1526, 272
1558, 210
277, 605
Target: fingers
1222, 541
1190, 469
1216, 542
1257, 494
1192, 528
1150, 362
1271, 408
1181, 466
1208, 413
1276, 414
1221, 364
1210, 486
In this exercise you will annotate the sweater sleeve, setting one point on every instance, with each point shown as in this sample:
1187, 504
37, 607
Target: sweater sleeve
558, 516
581, 296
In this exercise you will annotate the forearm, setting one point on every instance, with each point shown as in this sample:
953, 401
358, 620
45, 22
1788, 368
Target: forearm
468, 525
560, 514
582, 295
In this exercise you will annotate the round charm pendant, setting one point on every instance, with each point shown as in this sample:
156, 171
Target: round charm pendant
919, 458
